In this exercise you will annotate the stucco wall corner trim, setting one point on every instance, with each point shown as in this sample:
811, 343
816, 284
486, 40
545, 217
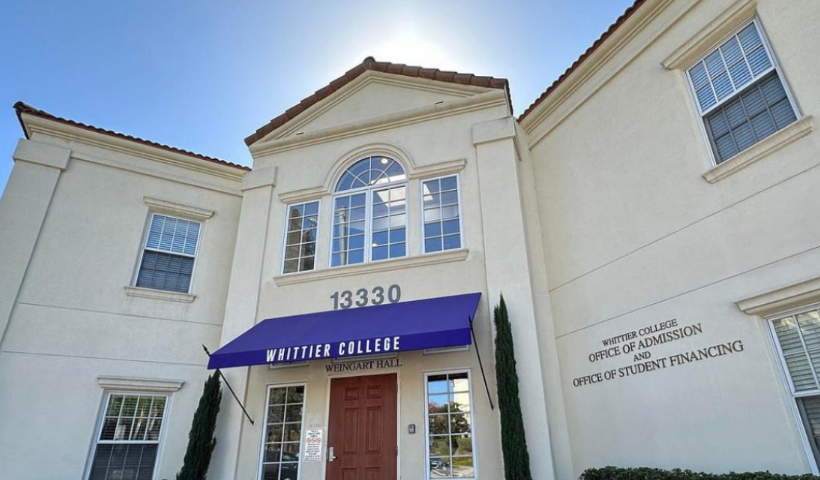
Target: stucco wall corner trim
42, 154
373, 267
166, 206
152, 294
782, 299
729, 20
760, 150
446, 167
259, 177
494, 130
141, 384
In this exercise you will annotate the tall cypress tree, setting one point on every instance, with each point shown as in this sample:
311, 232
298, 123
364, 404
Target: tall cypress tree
201, 441
513, 442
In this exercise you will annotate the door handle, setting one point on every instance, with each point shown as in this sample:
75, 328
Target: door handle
330, 455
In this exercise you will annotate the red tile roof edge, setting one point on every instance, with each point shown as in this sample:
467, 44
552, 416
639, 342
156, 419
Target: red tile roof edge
22, 108
589, 51
370, 63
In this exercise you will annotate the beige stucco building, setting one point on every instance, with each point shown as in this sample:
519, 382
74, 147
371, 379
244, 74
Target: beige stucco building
651, 220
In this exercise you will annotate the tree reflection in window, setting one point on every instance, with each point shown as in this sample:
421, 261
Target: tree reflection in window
300, 237
449, 426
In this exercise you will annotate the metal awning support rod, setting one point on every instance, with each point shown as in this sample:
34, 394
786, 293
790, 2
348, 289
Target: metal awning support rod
481, 365
231, 389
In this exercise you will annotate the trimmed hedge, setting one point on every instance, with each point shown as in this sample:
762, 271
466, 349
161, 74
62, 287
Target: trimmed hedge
643, 473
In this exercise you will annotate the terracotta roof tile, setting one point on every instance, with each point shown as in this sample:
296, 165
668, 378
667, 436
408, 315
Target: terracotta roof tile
612, 28
446, 76
370, 63
23, 108
428, 73
394, 68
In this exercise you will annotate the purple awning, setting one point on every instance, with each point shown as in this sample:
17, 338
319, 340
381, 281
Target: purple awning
398, 327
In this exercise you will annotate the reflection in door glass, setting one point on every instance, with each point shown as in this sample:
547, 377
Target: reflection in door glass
449, 426
283, 433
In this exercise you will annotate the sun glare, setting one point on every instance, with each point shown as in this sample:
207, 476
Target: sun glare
407, 45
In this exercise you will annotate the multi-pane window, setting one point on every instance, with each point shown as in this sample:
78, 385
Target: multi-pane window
449, 426
300, 237
283, 433
369, 213
168, 257
442, 225
740, 93
128, 440
798, 340
349, 226
389, 223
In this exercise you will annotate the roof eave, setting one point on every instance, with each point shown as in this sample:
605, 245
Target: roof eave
370, 64
22, 109
568, 73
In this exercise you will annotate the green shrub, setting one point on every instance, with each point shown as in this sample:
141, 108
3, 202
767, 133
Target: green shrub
643, 473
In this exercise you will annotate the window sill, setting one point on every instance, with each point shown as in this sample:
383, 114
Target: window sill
374, 267
775, 142
140, 292
783, 299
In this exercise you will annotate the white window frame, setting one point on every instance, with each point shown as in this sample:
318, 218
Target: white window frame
285, 236
440, 350
95, 440
368, 213
460, 212
144, 247
426, 417
269, 387
788, 385
774, 68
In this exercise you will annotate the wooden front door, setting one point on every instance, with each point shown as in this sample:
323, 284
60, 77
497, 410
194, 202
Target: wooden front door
362, 428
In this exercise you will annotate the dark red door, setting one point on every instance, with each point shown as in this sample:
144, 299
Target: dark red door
362, 428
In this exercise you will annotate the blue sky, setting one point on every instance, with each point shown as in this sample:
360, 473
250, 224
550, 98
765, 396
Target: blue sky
203, 75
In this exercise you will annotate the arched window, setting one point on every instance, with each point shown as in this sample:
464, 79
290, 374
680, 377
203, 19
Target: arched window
369, 212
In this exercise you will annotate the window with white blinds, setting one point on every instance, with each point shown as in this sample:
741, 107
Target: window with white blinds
167, 261
798, 341
740, 93
128, 437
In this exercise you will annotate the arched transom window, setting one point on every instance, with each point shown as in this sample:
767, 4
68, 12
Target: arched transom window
370, 212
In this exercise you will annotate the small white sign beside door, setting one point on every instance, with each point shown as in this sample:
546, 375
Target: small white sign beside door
313, 445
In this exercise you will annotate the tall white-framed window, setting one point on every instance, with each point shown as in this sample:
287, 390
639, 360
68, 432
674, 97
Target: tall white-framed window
169, 253
449, 424
280, 458
797, 339
128, 437
301, 230
740, 92
441, 213
369, 213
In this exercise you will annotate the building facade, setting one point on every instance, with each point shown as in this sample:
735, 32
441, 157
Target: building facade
651, 222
